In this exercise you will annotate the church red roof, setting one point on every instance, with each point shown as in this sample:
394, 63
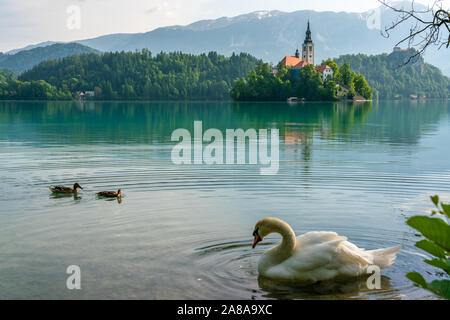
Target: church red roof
290, 61
301, 64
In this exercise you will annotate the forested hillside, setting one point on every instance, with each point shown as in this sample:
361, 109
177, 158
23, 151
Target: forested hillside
26, 59
140, 75
390, 79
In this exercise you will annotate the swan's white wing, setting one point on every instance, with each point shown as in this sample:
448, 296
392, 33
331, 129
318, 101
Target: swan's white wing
321, 256
317, 237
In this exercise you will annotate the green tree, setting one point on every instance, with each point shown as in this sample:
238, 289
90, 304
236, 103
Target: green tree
362, 87
308, 84
346, 75
330, 90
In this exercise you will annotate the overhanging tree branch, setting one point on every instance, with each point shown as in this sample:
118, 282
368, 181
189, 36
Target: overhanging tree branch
429, 27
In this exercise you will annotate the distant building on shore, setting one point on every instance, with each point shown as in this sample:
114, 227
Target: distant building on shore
411, 56
85, 94
397, 49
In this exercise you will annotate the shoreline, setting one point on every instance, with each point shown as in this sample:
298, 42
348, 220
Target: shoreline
229, 101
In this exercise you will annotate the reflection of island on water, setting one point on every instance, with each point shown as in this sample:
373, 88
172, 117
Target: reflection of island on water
391, 122
298, 122
337, 121
400, 122
353, 288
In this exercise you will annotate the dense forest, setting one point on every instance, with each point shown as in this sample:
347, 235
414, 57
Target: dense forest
262, 85
178, 76
6, 75
140, 75
13, 89
391, 79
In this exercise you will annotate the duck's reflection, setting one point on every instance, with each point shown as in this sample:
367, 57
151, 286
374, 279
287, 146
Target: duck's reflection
75, 196
351, 288
119, 199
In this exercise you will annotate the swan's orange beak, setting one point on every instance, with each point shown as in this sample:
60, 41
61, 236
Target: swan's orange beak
256, 240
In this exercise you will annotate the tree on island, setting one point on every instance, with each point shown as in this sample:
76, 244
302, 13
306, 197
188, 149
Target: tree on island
346, 76
362, 87
309, 84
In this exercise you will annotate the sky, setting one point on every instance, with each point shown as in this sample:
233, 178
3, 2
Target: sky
25, 22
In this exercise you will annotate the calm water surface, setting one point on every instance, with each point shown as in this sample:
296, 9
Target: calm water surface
185, 231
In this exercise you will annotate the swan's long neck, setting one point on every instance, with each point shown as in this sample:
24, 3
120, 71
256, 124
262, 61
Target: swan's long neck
285, 249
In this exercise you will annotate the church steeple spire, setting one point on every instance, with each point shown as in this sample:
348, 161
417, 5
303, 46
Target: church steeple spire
308, 47
308, 34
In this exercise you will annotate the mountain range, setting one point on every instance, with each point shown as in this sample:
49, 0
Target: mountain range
270, 35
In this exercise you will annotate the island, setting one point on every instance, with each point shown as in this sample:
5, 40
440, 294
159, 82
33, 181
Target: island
297, 78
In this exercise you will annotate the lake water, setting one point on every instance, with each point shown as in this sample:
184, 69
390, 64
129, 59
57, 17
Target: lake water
185, 231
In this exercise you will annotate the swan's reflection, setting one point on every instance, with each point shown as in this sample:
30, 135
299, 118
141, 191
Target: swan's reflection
351, 288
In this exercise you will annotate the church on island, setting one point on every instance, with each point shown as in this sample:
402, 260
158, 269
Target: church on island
296, 62
297, 79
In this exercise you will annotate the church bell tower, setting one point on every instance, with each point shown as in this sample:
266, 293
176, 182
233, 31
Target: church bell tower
308, 48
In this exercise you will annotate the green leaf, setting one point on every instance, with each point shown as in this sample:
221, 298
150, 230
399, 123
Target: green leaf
441, 287
435, 200
417, 279
439, 263
446, 208
431, 248
434, 229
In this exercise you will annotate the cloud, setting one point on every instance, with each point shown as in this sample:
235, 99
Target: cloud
168, 10
152, 10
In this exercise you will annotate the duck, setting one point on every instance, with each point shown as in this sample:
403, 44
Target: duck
315, 256
66, 190
110, 194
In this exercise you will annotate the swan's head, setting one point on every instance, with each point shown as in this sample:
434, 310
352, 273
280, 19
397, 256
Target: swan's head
263, 227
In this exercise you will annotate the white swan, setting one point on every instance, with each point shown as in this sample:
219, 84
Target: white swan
315, 256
